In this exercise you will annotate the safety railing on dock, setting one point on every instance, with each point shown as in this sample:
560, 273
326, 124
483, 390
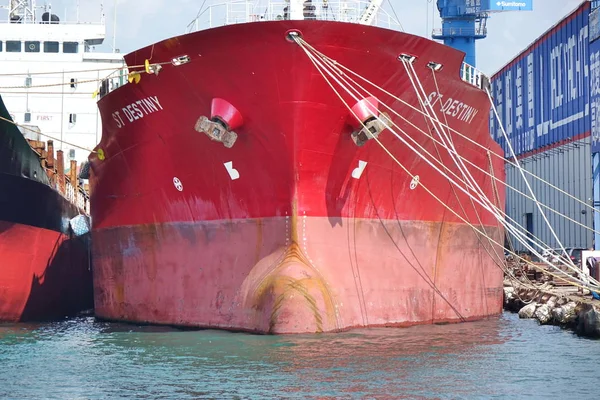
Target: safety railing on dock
237, 12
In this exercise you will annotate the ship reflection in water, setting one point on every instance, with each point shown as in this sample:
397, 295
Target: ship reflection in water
501, 357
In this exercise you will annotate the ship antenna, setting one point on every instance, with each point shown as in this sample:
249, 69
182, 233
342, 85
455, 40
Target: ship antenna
114, 44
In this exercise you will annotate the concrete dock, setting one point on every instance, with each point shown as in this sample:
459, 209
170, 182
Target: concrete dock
568, 307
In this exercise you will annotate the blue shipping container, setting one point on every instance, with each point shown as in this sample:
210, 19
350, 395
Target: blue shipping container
542, 96
594, 24
595, 94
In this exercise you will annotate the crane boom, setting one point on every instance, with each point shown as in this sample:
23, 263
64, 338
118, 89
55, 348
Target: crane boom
465, 21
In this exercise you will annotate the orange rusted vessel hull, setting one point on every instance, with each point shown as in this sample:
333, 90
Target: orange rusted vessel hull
292, 227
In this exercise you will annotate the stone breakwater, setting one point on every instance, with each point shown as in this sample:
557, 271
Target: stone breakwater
554, 306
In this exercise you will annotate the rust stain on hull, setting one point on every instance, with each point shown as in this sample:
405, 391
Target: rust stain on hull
290, 289
293, 276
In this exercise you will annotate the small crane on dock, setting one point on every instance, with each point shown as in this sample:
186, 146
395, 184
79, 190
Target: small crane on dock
465, 21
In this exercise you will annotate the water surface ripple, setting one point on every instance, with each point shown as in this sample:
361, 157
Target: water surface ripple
502, 357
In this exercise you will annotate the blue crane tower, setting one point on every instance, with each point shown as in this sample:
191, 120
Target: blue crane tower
464, 21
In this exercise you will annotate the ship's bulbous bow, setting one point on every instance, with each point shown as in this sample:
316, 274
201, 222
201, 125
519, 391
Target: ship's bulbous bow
292, 297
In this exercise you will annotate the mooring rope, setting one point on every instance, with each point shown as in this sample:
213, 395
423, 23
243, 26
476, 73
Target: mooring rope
346, 69
299, 41
48, 136
514, 156
389, 153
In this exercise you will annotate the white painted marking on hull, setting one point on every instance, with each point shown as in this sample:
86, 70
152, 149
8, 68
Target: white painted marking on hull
233, 173
359, 170
177, 183
414, 183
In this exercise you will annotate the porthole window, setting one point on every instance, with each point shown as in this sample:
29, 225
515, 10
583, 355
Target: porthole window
32, 47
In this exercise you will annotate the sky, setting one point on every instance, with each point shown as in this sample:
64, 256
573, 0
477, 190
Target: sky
143, 22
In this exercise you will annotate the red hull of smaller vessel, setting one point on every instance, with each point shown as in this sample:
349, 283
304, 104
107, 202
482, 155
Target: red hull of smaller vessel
44, 274
44, 269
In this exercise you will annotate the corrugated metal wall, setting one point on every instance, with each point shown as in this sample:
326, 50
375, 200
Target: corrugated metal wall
568, 167
594, 27
543, 99
542, 96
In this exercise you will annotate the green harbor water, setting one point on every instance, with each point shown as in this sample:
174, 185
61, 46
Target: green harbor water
503, 357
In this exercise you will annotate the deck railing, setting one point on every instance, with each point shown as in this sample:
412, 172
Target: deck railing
67, 185
77, 196
238, 12
111, 83
459, 32
475, 77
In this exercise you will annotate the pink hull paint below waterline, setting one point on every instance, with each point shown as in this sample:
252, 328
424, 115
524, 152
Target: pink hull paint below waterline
244, 275
293, 228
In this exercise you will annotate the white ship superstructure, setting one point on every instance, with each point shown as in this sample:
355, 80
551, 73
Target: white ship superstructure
50, 74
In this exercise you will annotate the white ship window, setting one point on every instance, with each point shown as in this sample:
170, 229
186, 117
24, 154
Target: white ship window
1, 45
27, 117
72, 154
28, 81
13, 46
72, 118
73, 83
50, 47
70, 47
32, 47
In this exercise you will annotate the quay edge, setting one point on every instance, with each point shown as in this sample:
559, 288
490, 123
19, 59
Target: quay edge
554, 306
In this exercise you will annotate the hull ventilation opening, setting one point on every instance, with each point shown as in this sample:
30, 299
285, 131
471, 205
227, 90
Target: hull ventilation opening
177, 61
223, 120
407, 57
435, 66
370, 122
292, 35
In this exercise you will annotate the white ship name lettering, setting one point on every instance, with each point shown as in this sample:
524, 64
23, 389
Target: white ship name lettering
454, 108
137, 110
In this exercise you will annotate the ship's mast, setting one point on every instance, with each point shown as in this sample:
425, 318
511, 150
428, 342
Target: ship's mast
21, 11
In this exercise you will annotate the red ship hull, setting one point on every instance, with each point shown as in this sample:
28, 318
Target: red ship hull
45, 275
45, 269
294, 228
